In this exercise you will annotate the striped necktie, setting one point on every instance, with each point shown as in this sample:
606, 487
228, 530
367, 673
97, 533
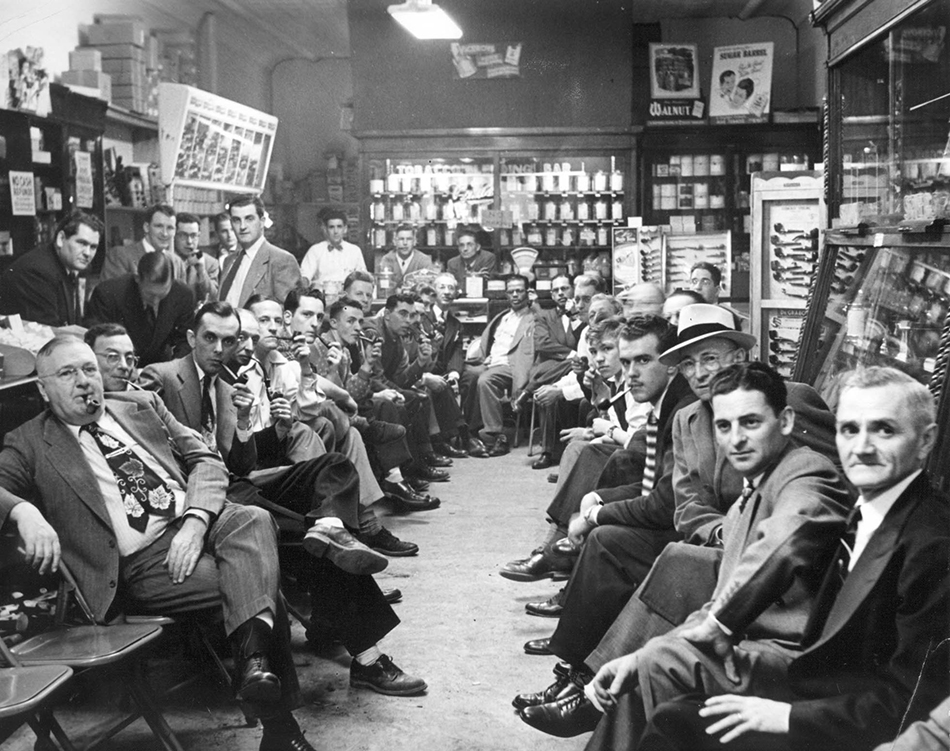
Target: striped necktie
649, 464
747, 490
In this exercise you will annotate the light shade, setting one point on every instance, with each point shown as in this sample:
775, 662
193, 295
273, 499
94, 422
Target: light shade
424, 20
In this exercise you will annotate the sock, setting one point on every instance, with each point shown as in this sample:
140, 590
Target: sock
267, 618
395, 475
368, 656
554, 534
333, 521
369, 522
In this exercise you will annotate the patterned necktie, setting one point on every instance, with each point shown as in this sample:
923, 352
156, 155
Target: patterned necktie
747, 490
846, 548
207, 415
143, 492
649, 464
232, 272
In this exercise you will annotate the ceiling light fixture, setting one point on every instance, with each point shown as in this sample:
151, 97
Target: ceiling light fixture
425, 20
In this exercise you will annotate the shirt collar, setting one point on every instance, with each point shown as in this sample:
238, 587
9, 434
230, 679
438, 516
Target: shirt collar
201, 373
252, 251
149, 248
877, 509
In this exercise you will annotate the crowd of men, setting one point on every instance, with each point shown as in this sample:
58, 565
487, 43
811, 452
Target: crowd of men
743, 567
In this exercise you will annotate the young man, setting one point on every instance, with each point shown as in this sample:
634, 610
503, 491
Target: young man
788, 518
198, 271
258, 268
705, 279
154, 307
876, 651
333, 259
226, 242
404, 258
471, 260
43, 285
159, 230
167, 544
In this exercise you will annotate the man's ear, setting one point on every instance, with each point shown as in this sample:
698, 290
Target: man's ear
60, 239
288, 316
42, 389
786, 419
190, 335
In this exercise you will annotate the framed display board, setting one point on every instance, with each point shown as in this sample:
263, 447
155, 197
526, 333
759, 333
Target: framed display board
682, 251
208, 141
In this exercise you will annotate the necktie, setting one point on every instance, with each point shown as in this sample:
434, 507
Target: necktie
846, 547
747, 490
150, 319
143, 492
649, 463
207, 415
75, 311
232, 272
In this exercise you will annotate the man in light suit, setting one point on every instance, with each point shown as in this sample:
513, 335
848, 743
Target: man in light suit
876, 648
405, 258
776, 541
159, 229
192, 550
501, 362
258, 268
199, 271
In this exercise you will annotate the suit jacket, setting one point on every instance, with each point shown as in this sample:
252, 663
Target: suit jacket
483, 263
705, 484
178, 385
43, 462
873, 662
417, 262
273, 273
551, 341
119, 301
451, 355
520, 353
37, 287
208, 290
626, 504
124, 259
397, 369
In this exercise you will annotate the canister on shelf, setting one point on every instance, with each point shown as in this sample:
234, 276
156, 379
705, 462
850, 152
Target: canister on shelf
686, 165
567, 210
616, 209
700, 195
600, 208
701, 165
548, 182
550, 236
583, 209
379, 237
582, 182
432, 236
717, 164
450, 235
379, 211
533, 211
377, 185
398, 211
392, 182
600, 180
550, 210
567, 236
616, 180
753, 163
770, 162
603, 235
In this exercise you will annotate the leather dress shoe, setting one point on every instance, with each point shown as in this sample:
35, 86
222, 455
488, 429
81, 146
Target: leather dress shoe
564, 718
563, 686
543, 462
475, 447
402, 491
447, 449
257, 684
280, 741
392, 596
539, 566
501, 446
385, 677
387, 543
550, 608
564, 546
430, 474
538, 647
417, 484
342, 549
436, 460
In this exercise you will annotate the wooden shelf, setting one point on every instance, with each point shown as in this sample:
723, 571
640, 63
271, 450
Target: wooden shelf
122, 116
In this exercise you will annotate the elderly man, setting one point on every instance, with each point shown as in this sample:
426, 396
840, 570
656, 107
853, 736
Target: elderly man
43, 285
115, 354
141, 519
876, 647
159, 232
471, 260
500, 363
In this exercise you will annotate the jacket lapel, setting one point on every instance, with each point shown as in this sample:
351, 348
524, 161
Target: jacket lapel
64, 455
190, 394
256, 272
148, 434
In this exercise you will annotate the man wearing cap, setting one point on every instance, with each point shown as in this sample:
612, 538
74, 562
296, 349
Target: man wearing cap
691, 497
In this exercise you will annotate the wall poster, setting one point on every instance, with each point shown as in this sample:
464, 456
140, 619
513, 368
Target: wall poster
501, 60
674, 71
741, 82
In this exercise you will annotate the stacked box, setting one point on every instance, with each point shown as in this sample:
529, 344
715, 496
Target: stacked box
120, 44
125, 32
85, 59
93, 79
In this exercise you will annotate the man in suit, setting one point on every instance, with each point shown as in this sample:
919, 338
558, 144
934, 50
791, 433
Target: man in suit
43, 285
226, 242
198, 271
135, 504
875, 656
155, 308
115, 354
500, 363
159, 233
777, 540
258, 268
471, 260
405, 258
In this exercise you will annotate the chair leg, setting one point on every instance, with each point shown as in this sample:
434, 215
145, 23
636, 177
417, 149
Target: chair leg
42, 723
515, 442
222, 671
141, 693
534, 407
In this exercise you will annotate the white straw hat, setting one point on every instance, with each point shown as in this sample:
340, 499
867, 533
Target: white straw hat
700, 321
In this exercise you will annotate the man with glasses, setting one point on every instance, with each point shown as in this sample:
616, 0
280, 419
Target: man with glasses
141, 518
500, 363
155, 309
706, 280
115, 354
43, 285
199, 271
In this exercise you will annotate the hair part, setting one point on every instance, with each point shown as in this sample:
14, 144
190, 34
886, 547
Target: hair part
336, 309
158, 208
358, 276
714, 271
154, 268
752, 376
292, 301
246, 200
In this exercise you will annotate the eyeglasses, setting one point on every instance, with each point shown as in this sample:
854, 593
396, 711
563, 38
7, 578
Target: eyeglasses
712, 363
70, 374
114, 358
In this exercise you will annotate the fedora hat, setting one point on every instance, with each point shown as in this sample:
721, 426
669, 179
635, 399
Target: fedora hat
700, 321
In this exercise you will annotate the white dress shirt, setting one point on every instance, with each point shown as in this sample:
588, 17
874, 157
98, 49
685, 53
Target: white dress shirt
234, 294
321, 264
873, 513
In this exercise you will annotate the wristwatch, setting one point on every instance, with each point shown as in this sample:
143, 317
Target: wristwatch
610, 432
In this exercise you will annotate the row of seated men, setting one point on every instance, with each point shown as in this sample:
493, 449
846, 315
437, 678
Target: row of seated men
747, 570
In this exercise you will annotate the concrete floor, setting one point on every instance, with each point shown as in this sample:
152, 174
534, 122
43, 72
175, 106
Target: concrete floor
462, 630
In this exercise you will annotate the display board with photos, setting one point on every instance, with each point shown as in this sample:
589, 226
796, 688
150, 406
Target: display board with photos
637, 255
209, 141
682, 251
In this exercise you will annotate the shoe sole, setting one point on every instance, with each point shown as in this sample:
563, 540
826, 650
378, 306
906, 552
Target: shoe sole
538, 652
543, 615
261, 692
552, 575
351, 560
397, 553
356, 683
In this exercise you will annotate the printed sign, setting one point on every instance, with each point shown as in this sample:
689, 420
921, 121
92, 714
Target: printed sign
22, 193
84, 189
502, 60
741, 82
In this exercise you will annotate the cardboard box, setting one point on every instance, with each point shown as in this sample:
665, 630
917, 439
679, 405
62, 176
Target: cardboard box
85, 58
125, 73
92, 78
127, 32
120, 52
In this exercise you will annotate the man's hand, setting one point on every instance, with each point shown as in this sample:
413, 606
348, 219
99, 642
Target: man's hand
578, 529
708, 634
589, 500
745, 713
243, 401
614, 679
301, 352
334, 354
576, 434
433, 383
547, 395
601, 426
425, 353
373, 353
348, 405
185, 550
282, 416
40, 541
